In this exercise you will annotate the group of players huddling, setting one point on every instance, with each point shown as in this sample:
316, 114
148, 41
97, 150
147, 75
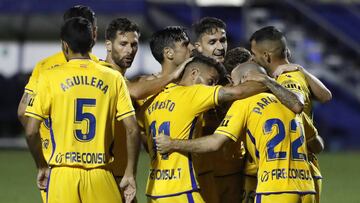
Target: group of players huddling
249, 139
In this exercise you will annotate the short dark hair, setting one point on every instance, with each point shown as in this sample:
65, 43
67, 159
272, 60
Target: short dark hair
207, 25
166, 38
78, 34
270, 33
122, 25
80, 11
235, 57
208, 61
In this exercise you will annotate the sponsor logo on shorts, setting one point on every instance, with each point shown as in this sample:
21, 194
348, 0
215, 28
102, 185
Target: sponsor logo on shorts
165, 174
78, 157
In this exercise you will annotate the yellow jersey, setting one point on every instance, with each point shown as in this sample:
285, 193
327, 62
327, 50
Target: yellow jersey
296, 82
119, 149
275, 141
82, 100
176, 111
46, 64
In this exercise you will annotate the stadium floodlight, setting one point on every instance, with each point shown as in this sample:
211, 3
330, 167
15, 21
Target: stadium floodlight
220, 3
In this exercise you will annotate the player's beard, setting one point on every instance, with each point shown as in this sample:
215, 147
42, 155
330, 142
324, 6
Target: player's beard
122, 62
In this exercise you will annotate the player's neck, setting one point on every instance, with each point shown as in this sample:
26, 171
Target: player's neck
112, 62
276, 63
74, 56
167, 67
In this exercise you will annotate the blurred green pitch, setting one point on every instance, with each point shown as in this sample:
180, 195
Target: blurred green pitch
18, 173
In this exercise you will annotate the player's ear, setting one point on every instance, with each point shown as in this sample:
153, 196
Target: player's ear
64, 47
169, 53
198, 47
108, 45
194, 73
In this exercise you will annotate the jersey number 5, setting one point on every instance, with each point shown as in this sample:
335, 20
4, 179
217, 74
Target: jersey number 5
89, 118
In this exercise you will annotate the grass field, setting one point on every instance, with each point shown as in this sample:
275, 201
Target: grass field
17, 183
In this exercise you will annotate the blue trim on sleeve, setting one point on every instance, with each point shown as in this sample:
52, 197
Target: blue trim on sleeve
37, 115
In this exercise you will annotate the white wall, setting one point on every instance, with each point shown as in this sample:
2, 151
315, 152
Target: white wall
12, 62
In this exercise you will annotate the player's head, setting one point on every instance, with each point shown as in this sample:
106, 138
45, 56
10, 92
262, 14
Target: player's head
82, 11
210, 37
121, 40
245, 68
235, 57
171, 44
76, 36
268, 45
203, 70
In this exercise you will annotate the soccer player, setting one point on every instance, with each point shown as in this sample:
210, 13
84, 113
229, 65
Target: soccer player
172, 178
210, 40
274, 137
82, 100
122, 38
269, 48
242, 164
49, 63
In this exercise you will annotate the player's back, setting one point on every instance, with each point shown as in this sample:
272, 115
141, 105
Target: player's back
83, 97
275, 140
176, 112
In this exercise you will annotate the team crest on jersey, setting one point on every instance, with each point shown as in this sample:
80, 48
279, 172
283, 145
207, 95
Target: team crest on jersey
45, 143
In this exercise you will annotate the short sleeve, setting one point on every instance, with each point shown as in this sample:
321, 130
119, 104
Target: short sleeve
124, 107
39, 105
202, 97
234, 122
292, 83
31, 85
310, 130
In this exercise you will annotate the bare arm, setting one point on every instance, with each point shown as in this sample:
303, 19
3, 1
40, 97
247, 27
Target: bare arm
318, 89
22, 107
143, 88
34, 143
133, 146
316, 145
240, 91
204, 144
295, 102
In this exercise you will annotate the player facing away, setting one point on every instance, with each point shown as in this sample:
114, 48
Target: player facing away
82, 100
177, 112
49, 63
274, 138
270, 50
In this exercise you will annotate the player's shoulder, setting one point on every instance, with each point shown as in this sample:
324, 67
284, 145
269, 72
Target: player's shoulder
107, 69
293, 75
53, 61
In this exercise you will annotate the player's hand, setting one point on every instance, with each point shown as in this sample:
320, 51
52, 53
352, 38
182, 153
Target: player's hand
42, 178
163, 143
128, 185
286, 68
254, 76
180, 69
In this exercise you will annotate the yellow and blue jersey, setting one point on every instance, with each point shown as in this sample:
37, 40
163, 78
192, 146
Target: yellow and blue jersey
175, 112
275, 141
82, 100
296, 82
46, 64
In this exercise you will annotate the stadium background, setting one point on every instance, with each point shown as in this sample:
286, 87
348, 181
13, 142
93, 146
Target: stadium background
323, 36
